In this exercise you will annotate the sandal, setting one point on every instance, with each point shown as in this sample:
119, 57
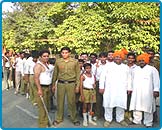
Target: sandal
76, 123
55, 123
107, 124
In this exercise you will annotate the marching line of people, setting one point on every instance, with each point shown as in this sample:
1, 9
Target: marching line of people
116, 85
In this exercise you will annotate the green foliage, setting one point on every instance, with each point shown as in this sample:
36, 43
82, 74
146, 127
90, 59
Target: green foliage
84, 27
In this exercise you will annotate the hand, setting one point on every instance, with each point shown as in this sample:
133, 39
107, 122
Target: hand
53, 89
101, 91
97, 65
94, 86
76, 89
156, 94
82, 98
40, 93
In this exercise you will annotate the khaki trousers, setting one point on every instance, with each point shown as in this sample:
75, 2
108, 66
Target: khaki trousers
69, 89
42, 116
32, 90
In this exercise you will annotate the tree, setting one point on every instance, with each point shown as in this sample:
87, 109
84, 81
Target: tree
84, 27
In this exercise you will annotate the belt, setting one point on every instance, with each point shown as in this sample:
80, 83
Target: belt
88, 88
44, 85
65, 82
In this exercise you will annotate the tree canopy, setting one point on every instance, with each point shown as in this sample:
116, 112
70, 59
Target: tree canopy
84, 27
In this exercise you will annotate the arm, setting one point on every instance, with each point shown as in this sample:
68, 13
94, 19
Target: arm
81, 87
77, 77
156, 82
4, 62
94, 85
55, 76
22, 68
130, 85
102, 81
37, 71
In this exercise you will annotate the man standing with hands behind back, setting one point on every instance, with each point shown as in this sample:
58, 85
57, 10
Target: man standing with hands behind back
67, 73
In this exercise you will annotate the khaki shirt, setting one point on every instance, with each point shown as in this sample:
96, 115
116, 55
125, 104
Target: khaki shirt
68, 71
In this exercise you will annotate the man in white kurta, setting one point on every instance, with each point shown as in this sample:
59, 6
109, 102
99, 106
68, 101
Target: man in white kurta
101, 64
131, 59
146, 87
113, 84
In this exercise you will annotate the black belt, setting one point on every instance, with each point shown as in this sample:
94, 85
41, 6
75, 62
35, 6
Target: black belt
88, 88
44, 85
65, 82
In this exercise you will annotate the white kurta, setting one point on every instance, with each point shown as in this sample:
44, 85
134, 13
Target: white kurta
114, 79
144, 81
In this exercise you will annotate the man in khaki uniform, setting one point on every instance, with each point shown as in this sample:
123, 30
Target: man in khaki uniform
153, 61
67, 73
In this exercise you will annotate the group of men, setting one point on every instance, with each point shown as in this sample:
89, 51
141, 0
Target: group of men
19, 74
122, 84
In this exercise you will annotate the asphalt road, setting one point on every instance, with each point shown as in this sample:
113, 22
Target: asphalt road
18, 112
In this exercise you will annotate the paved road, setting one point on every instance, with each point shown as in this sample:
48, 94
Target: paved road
18, 112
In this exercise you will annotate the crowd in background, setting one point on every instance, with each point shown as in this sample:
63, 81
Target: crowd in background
113, 84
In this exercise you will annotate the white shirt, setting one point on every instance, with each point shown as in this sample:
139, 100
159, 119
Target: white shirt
7, 64
99, 70
31, 67
19, 64
94, 68
27, 65
24, 67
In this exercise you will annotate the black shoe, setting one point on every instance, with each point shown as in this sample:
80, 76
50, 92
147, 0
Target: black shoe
132, 123
76, 123
68, 115
52, 110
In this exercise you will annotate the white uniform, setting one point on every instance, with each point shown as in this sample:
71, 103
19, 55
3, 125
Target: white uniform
145, 81
114, 79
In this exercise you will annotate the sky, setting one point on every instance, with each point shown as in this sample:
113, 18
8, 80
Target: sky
6, 6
